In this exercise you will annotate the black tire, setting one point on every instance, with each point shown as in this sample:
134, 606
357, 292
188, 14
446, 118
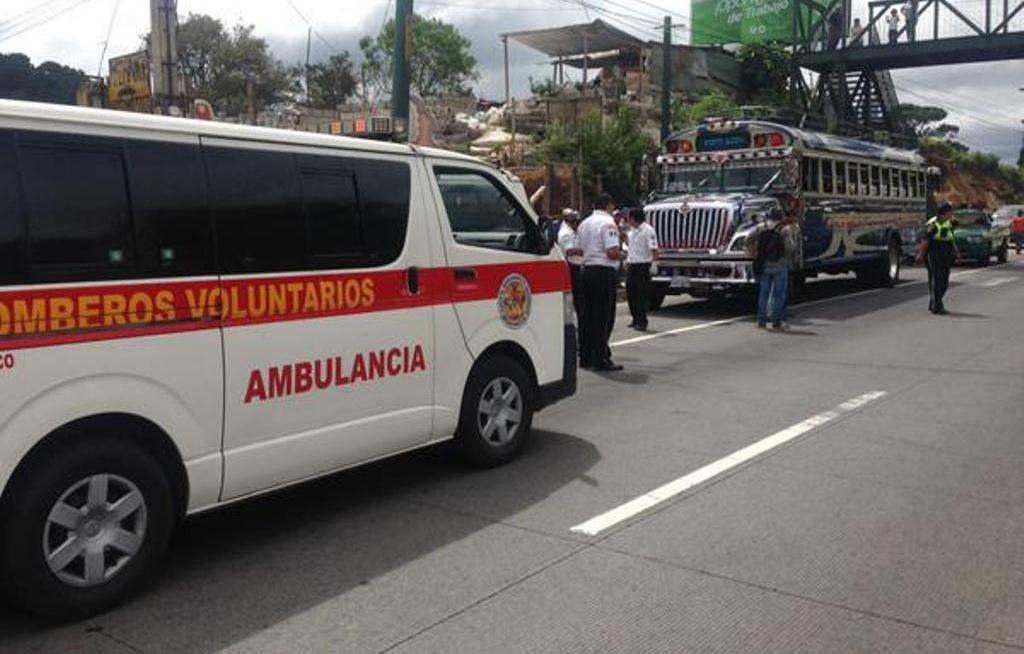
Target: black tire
1003, 255
658, 293
885, 272
35, 490
474, 445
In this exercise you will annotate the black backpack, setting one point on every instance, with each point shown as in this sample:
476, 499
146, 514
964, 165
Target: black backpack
770, 247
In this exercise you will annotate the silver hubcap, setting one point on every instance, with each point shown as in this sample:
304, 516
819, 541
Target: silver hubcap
500, 412
94, 529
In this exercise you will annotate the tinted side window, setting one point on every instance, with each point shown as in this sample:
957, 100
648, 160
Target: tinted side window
483, 214
841, 177
385, 190
333, 215
171, 210
826, 176
257, 201
76, 201
13, 267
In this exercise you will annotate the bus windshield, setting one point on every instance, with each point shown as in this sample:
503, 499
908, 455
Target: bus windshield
715, 180
752, 179
690, 180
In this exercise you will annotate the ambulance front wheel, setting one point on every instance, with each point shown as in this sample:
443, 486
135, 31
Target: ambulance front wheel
83, 526
497, 412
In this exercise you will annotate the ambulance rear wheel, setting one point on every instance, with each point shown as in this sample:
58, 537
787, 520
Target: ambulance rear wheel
497, 412
83, 526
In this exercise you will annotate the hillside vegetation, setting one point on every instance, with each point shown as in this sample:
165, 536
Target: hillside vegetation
973, 178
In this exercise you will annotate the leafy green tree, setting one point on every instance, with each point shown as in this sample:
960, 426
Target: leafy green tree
440, 61
333, 82
47, 82
231, 68
714, 103
765, 69
609, 150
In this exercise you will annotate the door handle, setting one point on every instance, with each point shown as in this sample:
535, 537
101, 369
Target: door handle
465, 274
412, 280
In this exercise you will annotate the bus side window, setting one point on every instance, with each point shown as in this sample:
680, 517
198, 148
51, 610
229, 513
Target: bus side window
894, 183
257, 201
827, 177
876, 181
865, 179
76, 203
805, 175
905, 184
13, 262
171, 207
841, 178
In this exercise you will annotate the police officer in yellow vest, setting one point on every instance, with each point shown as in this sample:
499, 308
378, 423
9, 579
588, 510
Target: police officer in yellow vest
938, 250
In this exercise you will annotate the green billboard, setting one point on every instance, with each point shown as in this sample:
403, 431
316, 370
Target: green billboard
741, 21
716, 21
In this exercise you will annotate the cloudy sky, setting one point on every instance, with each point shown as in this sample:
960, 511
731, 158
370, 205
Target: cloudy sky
982, 98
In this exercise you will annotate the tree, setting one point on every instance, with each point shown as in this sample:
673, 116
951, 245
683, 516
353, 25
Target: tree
714, 103
765, 69
332, 82
47, 82
440, 61
230, 69
609, 150
921, 120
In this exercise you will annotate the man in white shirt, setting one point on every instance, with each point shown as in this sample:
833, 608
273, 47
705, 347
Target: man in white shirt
643, 251
893, 19
598, 238
568, 244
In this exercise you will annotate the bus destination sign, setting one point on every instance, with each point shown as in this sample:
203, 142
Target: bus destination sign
721, 142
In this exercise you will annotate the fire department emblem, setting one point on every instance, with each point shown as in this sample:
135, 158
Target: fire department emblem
514, 301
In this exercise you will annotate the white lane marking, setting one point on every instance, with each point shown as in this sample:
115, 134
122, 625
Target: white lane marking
729, 321
680, 330
609, 519
998, 281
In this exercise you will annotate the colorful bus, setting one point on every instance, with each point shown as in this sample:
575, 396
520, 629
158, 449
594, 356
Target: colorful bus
860, 205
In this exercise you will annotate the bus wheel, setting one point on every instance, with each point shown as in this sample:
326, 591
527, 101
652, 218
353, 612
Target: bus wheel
497, 412
83, 527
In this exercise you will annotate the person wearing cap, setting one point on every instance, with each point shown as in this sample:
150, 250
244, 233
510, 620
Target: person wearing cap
598, 238
568, 244
938, 251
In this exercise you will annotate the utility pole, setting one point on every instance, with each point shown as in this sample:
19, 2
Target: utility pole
666, 80
403, 55
309, 43
163, 54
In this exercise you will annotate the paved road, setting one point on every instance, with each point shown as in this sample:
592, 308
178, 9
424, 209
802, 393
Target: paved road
893, 523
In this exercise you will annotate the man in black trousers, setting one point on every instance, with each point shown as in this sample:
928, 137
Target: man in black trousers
643, 250
598, 237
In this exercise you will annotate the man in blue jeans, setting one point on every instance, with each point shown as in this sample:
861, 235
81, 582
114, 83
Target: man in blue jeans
774, 248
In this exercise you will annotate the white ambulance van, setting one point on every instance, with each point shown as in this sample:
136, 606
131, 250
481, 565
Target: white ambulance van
195, 313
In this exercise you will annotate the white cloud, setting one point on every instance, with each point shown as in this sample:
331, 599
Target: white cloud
986, 103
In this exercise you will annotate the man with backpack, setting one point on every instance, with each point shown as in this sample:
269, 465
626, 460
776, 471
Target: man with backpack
773, 247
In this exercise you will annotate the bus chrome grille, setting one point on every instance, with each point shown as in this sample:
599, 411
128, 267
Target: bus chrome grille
699, 228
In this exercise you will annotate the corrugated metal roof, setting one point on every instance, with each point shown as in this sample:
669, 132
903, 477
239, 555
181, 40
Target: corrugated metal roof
570, 40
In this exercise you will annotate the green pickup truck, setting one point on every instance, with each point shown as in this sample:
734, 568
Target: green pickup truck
979, 238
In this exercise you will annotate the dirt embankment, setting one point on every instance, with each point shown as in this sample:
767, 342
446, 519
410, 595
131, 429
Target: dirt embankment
971, 179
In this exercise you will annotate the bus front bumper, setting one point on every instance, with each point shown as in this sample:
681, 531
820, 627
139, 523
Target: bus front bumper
705, 275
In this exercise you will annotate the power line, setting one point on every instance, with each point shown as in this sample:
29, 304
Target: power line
106, 41
24, 16
42, 21
316, 33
